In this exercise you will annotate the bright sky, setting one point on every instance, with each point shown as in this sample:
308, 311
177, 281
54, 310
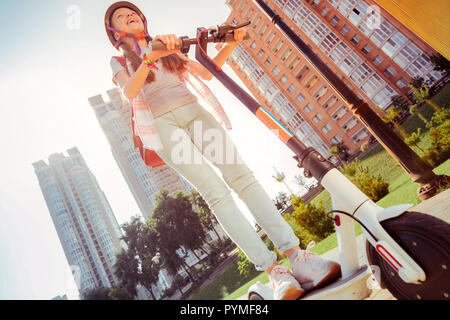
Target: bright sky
48, 71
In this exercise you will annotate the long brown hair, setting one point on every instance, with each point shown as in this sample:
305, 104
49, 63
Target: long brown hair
172, 63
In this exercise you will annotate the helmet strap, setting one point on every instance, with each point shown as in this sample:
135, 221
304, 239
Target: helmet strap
135, 37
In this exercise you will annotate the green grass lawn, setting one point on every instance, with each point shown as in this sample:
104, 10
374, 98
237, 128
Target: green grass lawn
231, 285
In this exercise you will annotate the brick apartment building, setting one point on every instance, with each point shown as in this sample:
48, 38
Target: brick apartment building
376, 63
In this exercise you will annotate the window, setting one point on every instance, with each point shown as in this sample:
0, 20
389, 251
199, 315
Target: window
325, 11
339, 113
355, 39
373, 84
256, 21
389, 72
330, 102
353, 121
276, 70
268, 62
291, 88
317, 118
336, 139
329, 43
358, 12
300, 98
345, 6
383, 98
269, 38
377, 61
261, 53
286, 54
380, 34
334, 21
366, 49
319, 33
253, 45
284, 79
401, 83
327, 128
262, 29
309, 107
311, 82
349, 63
407, 55
303, 71
287, 112
248, 13
361, 134
294, 63
394, 43
277, 46
320, 92
345, 29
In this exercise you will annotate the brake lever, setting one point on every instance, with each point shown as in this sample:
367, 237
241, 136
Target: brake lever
222, 31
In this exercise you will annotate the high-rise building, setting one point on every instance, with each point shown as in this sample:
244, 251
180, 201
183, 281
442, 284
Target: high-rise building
83, 218
144, 182
375, 56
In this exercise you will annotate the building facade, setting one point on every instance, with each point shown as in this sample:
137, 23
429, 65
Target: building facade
83, 218
114, 117
375, 58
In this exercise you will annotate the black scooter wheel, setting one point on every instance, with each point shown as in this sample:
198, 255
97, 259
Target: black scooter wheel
427, 240
255, 296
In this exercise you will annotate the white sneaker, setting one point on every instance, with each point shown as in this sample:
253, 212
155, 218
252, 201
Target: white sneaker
284, 284
313, 271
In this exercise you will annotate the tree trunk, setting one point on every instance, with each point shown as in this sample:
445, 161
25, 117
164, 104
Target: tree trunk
151, 292
218, 237
185, 267
196, 255
433, 105
421, 117
401, 130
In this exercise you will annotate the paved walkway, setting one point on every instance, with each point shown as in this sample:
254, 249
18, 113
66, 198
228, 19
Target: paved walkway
438, 206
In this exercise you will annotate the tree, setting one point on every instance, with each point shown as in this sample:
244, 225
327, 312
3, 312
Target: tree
206, 216
440, 63
178, 227
422, 93
302, 181
126, 271
135, 266
120, 293
413, 109
282, 201
375, 187
99, 293
341, 151
400, 103
280, 177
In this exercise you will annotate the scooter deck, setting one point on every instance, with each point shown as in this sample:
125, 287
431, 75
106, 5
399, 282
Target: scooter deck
343, 288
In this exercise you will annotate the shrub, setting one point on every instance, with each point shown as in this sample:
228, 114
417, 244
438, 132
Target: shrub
439, 151
244, 265
311, 223
272, 247
375, 187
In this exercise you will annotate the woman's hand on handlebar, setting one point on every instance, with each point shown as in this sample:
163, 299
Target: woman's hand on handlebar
239, 35
170, 40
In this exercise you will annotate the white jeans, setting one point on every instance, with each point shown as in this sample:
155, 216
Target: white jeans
181, 122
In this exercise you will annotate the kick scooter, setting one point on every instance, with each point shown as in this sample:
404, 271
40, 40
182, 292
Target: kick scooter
411, 249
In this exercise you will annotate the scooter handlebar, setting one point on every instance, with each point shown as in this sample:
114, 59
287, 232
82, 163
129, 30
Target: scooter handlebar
187, 42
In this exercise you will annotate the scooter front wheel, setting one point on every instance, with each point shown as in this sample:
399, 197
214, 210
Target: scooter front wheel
427, 240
